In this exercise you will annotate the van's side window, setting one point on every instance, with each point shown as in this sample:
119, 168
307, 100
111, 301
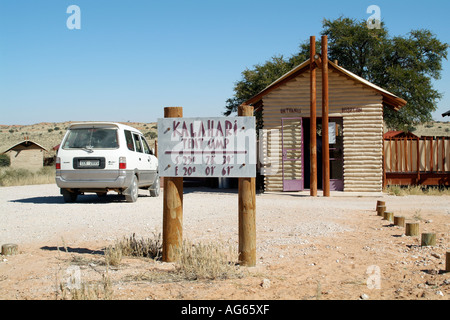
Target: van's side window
147, 149
137, 142
129, 140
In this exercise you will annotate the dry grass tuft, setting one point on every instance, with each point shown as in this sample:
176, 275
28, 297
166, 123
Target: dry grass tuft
144, 247
209, 261
20, 177
416, 190
101, 290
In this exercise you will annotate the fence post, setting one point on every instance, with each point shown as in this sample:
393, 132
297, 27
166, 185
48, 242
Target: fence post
247, 210
172, 205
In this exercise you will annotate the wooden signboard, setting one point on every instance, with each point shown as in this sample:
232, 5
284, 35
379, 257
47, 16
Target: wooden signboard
207, 147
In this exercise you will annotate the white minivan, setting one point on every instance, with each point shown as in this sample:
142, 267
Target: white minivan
102, 156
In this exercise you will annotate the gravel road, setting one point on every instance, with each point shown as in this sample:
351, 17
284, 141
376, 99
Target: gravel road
302, 243
37, 214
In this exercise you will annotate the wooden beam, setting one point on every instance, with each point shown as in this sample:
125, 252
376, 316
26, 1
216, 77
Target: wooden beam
418, 159
396, 155
406, 154
431, 155
410, 155
391, 156
313, 130
443, 154
325, 138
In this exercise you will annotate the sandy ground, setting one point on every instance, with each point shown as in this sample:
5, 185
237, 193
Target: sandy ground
307, 248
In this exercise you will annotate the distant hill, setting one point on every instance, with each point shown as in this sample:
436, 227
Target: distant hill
50, 135
433, 129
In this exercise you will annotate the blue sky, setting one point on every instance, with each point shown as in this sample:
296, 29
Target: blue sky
130, 59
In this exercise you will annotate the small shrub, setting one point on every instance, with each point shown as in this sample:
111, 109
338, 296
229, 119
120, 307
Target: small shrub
144, 247
113, 255
101, 290
5, 161
209, 261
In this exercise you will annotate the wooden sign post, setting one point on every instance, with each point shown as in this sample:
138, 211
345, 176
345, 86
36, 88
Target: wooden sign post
210, 148
247, 210
172, 206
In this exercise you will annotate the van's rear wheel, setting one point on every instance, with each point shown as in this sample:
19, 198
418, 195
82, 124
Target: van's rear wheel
131, 193
69, 196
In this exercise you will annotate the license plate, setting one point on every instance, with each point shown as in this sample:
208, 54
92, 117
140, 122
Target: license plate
89, 163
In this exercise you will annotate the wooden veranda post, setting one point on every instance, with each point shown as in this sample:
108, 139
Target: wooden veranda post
172, 205
325, 140
247, 210
313, 139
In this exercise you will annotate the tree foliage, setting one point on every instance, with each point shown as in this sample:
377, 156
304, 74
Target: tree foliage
404, 65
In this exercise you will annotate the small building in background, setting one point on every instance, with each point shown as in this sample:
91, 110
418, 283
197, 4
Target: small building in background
26, 155
355, 130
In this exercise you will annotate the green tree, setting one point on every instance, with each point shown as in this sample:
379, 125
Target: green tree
257, 79
403, 65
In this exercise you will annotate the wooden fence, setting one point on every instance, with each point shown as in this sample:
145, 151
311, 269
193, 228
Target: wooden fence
417, 161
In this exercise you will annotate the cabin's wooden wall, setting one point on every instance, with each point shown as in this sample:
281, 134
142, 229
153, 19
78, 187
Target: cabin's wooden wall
359, 106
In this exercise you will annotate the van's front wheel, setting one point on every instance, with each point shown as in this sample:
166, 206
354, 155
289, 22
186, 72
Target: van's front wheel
131, 193
155, 188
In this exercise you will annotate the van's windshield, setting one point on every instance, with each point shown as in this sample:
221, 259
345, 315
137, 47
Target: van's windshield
91, 138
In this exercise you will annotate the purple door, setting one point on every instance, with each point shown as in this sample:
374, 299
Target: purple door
292, 154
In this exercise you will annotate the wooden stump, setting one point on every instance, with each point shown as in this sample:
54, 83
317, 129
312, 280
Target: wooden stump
380, 203
428, 239
447, 261
10, 249
399, 221
389, 216
381, 210
412, 229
